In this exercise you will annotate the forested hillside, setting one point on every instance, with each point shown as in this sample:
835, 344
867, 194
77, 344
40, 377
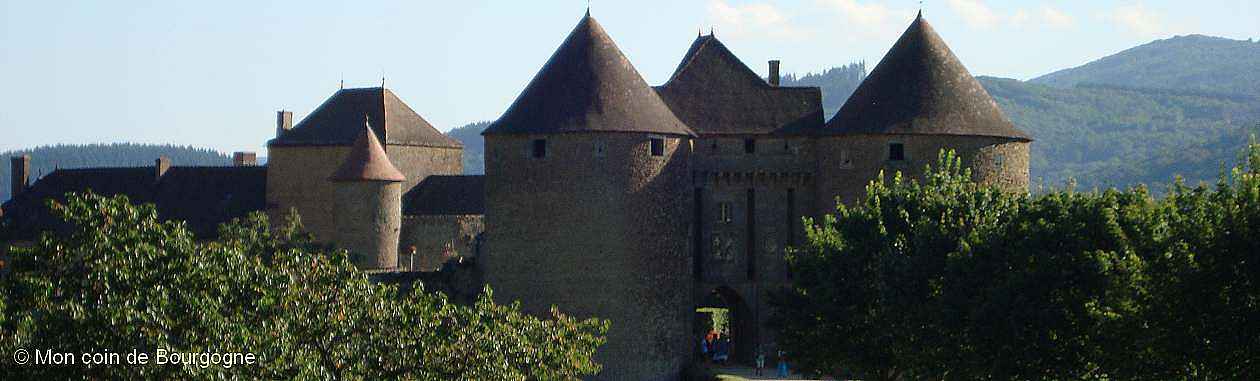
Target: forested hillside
1105, 136
45, 159
1193, 62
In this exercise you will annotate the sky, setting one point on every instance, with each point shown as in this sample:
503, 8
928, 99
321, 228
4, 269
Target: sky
213, 73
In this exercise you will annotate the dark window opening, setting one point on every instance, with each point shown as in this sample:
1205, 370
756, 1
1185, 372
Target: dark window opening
658, 147
724, 212
896, 151
750, 146
751, 222
697, 255
791, 225
540, 148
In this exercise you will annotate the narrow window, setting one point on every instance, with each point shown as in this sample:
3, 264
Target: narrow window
845, 160
791, 226
896, 151
540, 148
998, 160
750, 222
724, 212
750, 146
600, 147
658, 146
697, 255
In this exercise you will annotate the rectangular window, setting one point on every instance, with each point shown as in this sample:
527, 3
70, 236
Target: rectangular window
846, 162
750, 146
724, 212
750, 222
600, 147
896, 151
540, 148
658, 146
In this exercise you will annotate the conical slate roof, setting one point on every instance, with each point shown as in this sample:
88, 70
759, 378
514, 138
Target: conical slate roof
588, 85
367, 161
920, 87
337, 122
713, 92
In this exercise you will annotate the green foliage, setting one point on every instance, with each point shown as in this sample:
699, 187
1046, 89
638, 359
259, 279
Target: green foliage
949, 279
45, 159
121, 280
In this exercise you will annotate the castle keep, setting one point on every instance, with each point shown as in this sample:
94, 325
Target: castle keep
602, 196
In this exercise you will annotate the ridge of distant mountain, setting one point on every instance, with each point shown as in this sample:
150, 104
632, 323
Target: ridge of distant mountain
1192, 62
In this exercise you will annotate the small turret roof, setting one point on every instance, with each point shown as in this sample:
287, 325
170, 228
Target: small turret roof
588, 85
367, 160
715, 93
920, 87
336, 122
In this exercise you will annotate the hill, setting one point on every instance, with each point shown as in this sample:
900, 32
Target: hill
470, 135
1111, 136
45, 159
1193, 62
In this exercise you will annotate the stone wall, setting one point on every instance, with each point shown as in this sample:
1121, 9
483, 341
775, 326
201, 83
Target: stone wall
437, 239
297, 177
847, 163
598, 227
368, 216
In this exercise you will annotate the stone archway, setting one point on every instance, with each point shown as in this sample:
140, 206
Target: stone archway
723, 308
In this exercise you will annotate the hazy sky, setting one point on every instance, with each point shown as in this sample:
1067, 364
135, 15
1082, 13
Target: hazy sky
212, 73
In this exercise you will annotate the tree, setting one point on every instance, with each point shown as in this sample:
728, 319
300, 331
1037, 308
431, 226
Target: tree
122, 280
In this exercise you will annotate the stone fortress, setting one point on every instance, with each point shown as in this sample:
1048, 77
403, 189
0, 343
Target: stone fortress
602, 195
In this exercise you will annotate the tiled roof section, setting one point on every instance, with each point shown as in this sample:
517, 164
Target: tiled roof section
202, 196
920, 87
713, 92
588, 85
337, 122
367, 161
447, 195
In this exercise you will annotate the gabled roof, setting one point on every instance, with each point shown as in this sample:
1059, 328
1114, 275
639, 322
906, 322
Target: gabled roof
203, 196
337, 122
920, 87
367, 161
447, 195
713, 92
588, 85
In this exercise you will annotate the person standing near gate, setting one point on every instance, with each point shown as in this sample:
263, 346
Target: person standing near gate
783, 366
761, 360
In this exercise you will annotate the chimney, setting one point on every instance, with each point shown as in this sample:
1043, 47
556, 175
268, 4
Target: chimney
284, 122
159, 168
774, 73
244, 159
21, 173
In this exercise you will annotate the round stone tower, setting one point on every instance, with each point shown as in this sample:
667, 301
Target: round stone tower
918, 100
587, 206
367, 204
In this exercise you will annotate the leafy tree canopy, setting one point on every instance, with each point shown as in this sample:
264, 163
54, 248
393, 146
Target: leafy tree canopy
122, 280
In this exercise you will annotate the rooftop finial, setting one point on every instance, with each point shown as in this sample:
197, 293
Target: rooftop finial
342, 85
588, 8
711, 31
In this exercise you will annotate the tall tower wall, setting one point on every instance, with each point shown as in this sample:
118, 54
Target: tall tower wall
599, 227
848, 162
368, 216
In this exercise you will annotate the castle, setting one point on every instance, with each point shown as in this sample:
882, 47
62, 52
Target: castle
602, 195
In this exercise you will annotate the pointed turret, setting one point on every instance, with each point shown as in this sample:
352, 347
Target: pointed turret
920, 87
588, 85
367, 203
367, 160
